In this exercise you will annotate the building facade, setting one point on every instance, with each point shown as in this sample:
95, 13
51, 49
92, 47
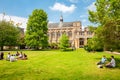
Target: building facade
77, 37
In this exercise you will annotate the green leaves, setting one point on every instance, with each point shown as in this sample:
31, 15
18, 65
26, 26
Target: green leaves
37, 29
107, 16
9, 34
64, 42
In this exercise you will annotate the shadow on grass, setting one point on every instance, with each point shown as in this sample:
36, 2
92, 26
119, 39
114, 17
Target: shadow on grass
116, 59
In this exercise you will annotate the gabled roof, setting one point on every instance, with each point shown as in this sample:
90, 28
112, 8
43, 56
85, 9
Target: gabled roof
64, 24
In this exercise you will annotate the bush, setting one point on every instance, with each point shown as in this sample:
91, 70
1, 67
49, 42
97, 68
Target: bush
54, 45
87, 48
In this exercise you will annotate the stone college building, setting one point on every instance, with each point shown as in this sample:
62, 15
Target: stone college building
77, 37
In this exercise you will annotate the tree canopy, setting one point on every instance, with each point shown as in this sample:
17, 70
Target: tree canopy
36, 34
107, 16
64, 42
9, 34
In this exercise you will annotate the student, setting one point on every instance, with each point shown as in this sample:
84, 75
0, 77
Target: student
112, 63
102, 60
8, 57
24, 57
12, 58
17, 53
20, 56
2, 55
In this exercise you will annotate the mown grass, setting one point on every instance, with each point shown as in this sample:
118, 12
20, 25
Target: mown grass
57, 65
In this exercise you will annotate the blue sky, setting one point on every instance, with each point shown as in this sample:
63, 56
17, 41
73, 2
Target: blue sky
72, 10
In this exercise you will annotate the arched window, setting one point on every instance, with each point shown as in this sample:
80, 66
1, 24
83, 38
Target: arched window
58, 34
70, 33
63, 32
53, 34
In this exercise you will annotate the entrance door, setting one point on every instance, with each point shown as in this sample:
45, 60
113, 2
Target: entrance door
81, 42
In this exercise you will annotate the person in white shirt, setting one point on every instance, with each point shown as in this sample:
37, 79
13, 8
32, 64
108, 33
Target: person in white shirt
12, 58
8, 57
112, 63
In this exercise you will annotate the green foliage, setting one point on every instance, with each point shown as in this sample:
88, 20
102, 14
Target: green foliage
36, 34
94, 44
9, 34
64, 42
54, 45
107, 17
92, 29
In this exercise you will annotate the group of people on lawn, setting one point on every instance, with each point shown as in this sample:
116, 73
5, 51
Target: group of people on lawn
14, 57
103, 62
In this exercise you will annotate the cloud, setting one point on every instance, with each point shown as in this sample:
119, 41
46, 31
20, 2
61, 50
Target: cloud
73, 1
63, 8
83, 16
84, 20
92, 7
50, 22
22, 21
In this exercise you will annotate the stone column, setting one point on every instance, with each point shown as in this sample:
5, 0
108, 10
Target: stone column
55, 36
85, 38
49, 37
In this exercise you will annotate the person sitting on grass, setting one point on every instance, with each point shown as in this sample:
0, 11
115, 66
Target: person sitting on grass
1, 56
24, 57
12, 58
20, 55
17, 53
8, 57
102, 60
112, 63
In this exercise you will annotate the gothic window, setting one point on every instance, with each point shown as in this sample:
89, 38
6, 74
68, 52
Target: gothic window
70, 33
81, 33
53, 34
89, 33
64, 32
58, 34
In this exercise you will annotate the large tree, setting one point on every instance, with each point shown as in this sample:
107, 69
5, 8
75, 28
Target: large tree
107, 16
36, 34
64, 42
9, 34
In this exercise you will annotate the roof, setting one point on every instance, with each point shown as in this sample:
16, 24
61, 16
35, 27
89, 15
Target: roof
65, 24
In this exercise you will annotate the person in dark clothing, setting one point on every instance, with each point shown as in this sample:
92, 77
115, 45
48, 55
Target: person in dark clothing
2, 55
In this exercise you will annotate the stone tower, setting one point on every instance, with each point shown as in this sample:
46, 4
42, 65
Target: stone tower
61, 21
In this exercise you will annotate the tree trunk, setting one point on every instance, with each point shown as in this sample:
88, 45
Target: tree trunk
1, 48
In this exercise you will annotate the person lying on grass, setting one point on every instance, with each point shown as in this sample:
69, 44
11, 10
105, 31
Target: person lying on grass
112, 63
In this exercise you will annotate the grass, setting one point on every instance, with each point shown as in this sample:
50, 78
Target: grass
57, 65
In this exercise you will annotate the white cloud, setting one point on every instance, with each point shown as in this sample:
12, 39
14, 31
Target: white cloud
50, 22
63, 8
84, 20
92, 7
83, 16
74, 1
22, 21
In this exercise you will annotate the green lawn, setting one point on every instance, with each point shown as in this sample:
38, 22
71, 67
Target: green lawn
57, 65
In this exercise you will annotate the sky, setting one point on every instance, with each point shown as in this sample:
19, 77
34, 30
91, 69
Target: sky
71, 10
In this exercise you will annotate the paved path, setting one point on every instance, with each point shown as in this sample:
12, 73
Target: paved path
112, 52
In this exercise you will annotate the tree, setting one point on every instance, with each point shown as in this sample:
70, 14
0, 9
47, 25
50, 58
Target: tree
95, 44
36, 34
9, 34
107, 16
64, 42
